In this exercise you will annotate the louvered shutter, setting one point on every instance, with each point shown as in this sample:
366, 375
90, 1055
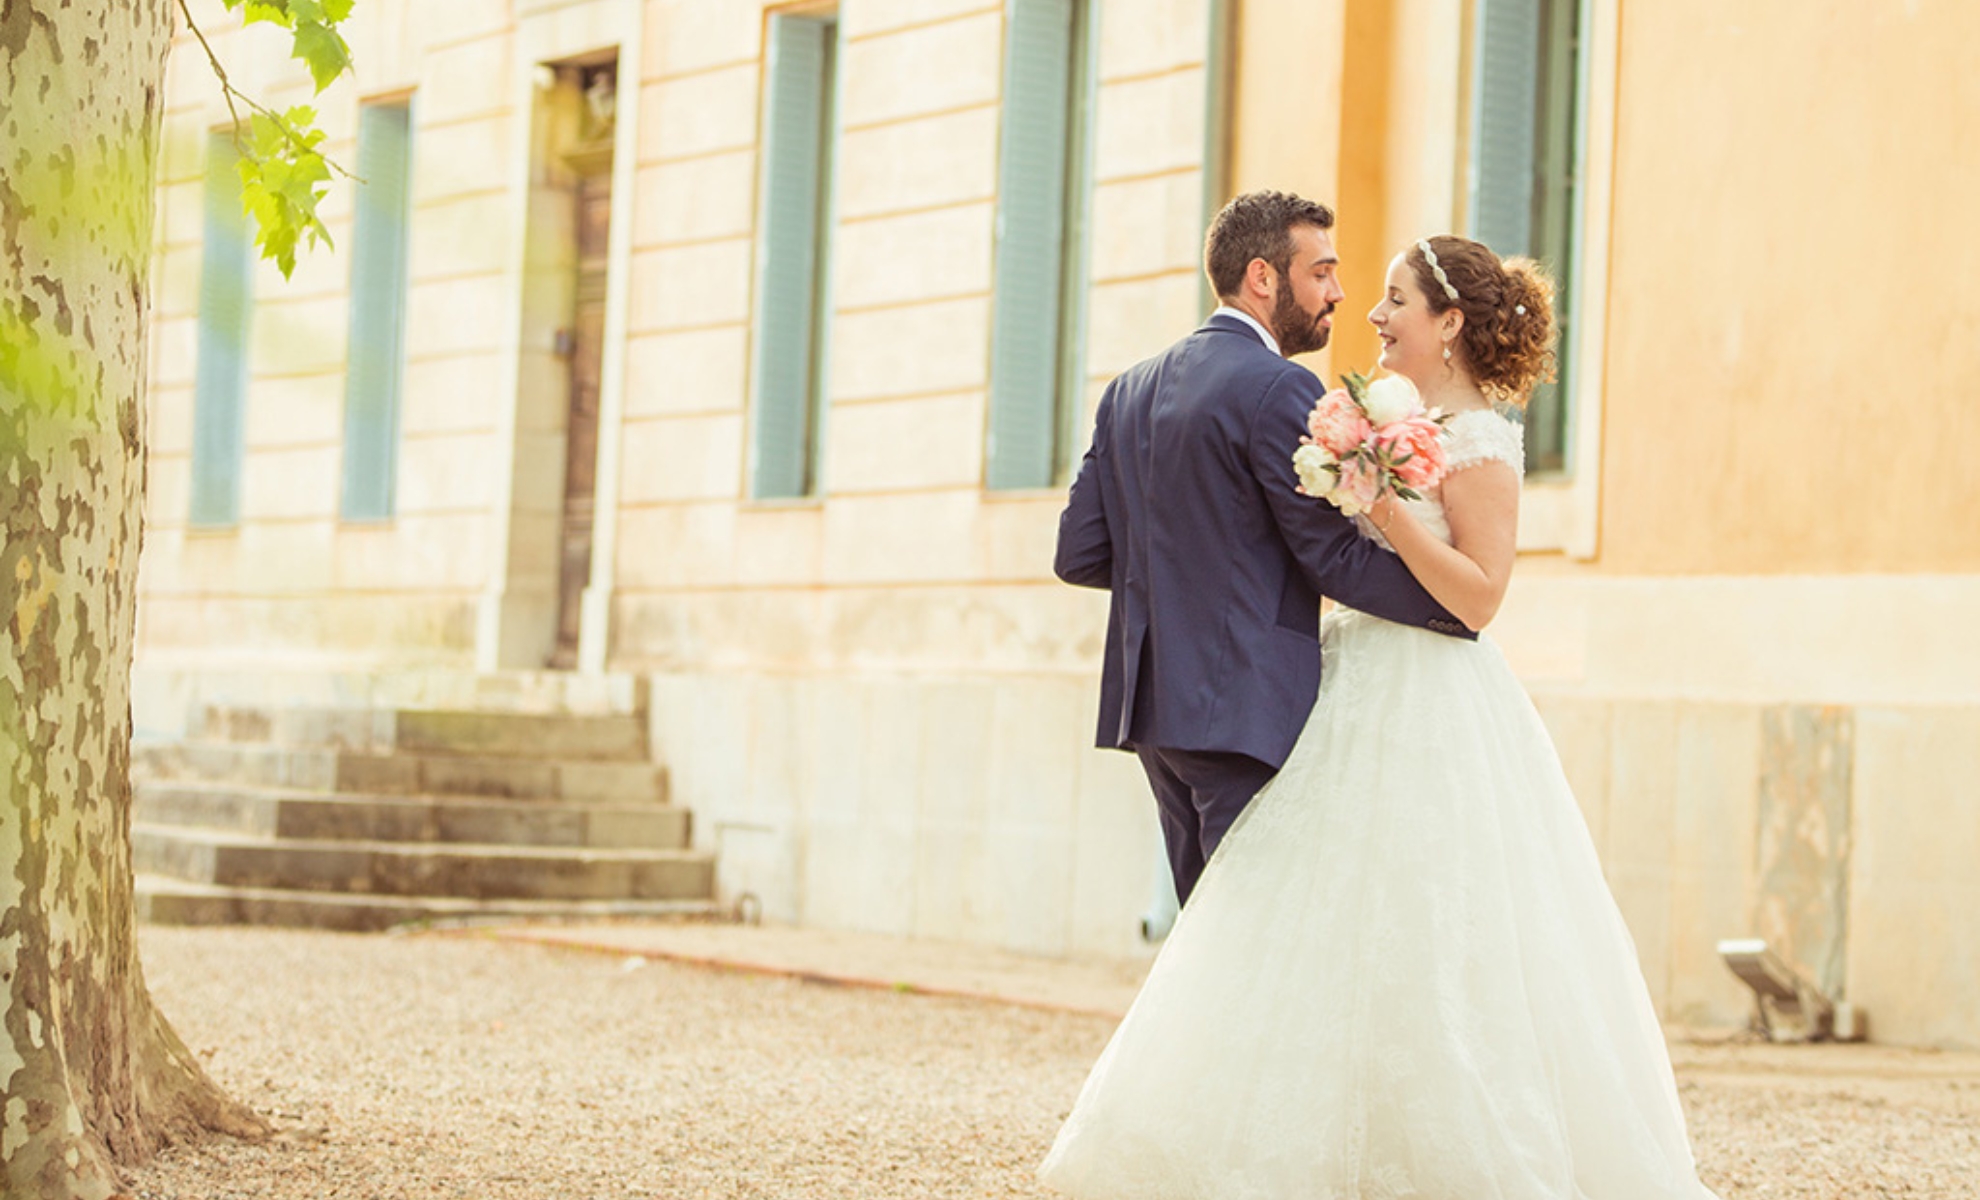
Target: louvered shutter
797, 126
1526, 141
378, 312
1025, 353
1503, 134
220, 376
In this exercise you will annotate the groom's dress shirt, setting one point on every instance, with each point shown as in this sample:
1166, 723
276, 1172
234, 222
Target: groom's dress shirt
1271, 343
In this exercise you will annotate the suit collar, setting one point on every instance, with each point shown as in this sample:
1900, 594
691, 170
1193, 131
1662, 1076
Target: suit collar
1230, 320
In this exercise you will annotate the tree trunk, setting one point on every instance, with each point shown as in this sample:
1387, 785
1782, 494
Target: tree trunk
90, 1073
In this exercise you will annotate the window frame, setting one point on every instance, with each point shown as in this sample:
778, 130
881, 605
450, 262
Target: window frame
1032, 426
1560, 511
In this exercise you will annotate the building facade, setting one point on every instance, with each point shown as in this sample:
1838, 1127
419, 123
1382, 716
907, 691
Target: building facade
742, 351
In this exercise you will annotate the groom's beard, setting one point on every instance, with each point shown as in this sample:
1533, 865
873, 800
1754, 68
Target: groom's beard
1298, 331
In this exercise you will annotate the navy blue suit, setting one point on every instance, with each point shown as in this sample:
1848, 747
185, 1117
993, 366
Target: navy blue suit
1185, 509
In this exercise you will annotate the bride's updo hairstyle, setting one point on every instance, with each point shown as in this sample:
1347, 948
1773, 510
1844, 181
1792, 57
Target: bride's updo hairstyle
1508, 306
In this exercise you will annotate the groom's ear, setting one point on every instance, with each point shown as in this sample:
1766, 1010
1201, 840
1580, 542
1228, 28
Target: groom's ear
1259, 277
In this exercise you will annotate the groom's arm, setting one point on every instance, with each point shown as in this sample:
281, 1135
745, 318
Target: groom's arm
1086, 546
1337, 559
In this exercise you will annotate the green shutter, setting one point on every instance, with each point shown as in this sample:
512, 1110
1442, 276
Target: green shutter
791, 306
378, 312
1505, 120
220, 377
1526, 140
1027, 347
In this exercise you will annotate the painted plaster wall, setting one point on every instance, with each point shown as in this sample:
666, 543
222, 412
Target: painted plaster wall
879, 702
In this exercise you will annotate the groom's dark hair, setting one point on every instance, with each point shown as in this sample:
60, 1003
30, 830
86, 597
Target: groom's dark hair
1257, 225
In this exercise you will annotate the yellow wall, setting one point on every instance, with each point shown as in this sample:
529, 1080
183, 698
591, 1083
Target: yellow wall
1361, 235
1287, 70
1794, 321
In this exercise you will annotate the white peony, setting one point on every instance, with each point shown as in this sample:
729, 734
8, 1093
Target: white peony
1317, 469
1390, 399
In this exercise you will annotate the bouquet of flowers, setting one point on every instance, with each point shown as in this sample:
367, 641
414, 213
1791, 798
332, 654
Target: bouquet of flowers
1364, 439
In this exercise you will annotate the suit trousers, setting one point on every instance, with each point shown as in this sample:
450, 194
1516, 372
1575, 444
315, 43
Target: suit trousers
1198, 793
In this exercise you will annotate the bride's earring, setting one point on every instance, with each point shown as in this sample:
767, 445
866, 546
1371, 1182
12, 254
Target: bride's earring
1447, 352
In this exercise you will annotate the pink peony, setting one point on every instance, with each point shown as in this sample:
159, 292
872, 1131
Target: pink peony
1360, 484
1337, 423
1415, 451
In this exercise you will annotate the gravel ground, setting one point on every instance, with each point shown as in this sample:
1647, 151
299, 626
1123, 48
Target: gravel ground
457, 1067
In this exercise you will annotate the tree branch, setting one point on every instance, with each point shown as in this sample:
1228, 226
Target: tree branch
228, 92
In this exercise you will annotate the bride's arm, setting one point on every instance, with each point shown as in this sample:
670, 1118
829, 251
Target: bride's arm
1469, 576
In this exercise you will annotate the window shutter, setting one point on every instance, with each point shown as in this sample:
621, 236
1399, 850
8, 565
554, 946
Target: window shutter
378, 310
220, 377
1503, 133
1027, 320
1526, 155
797, 127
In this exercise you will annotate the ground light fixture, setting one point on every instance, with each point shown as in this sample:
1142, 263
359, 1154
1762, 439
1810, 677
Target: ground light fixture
1787, 1007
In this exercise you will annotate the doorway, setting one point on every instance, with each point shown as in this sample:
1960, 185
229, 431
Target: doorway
586, 159
585, 355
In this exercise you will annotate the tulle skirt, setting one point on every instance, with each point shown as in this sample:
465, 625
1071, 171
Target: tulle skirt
1401, 975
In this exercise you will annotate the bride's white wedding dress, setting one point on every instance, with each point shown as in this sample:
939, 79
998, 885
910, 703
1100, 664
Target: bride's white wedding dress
1402, 974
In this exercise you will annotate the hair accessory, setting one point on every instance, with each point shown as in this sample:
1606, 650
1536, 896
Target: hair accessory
1520, 309
1430, 257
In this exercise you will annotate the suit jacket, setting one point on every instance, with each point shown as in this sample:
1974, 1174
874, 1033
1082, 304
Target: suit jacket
1185, 508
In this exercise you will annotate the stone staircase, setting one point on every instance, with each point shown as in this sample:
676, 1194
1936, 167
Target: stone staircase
363, 819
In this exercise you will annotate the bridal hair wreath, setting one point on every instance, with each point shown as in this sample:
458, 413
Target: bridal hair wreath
1430, 258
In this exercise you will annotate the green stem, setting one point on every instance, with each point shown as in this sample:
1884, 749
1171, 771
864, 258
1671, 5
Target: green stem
228, 91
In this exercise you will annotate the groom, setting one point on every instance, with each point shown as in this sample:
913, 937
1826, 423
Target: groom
1185, 508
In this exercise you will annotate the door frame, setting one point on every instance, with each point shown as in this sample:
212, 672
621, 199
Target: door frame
517, 613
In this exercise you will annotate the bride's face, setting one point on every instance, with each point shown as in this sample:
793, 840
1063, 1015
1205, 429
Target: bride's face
1413, 338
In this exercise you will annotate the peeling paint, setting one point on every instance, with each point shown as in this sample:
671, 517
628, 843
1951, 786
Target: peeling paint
1805, 837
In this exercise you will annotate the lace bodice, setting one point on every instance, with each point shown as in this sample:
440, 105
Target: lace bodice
1470, 438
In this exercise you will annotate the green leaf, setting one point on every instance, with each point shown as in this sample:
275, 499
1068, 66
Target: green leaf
324, 50
281, 184
1357, 386
274, 12
283, 174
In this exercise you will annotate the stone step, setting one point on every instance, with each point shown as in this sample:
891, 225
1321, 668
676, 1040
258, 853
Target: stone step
179, 902
309, 816
468, 872
330, 769
601, 737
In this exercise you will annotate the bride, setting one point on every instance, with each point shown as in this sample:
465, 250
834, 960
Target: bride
1402, 974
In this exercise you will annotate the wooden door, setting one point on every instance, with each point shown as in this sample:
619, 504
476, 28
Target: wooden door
594, 217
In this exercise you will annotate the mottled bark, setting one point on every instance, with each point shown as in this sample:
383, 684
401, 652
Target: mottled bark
90, 1074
